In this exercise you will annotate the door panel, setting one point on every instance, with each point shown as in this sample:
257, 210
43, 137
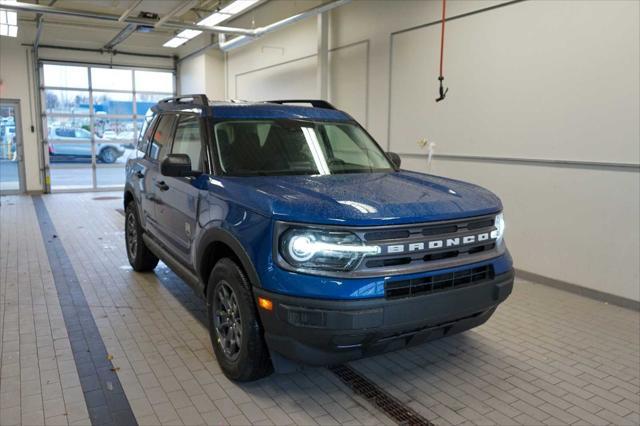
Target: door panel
11, 167
159, 146
178, 208
177, 211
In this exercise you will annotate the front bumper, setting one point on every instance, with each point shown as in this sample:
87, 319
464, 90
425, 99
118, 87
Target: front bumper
326, 332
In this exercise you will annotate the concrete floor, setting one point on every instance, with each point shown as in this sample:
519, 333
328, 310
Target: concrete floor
67, 293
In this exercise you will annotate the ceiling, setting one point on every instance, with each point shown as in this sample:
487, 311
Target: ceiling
90, 33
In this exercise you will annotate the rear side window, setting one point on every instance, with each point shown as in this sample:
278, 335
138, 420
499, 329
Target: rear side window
145, 135
162, 137
65, 133
188, 140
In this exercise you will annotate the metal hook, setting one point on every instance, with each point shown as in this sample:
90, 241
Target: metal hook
443, 91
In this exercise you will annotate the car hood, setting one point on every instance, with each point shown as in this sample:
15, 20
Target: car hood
359, 199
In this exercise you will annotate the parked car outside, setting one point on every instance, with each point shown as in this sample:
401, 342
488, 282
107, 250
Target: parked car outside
306, 239
69, 143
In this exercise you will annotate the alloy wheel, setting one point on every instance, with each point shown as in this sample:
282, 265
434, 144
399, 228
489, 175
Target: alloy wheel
132, 235
227, 320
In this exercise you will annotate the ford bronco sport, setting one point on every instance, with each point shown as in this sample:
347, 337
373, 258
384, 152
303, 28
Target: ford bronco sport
307, 241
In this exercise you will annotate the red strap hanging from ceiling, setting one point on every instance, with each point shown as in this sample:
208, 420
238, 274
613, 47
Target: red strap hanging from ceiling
442, 90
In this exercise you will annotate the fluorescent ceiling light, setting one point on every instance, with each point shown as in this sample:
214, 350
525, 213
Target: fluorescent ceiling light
210, 21
8, 21
175, 42
214, 19
227, 12
8, 30
8, 17
183, 37
189, 34
238, 6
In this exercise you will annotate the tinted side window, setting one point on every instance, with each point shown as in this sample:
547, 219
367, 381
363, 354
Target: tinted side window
162, 137
188, 141
65, 133
145, 135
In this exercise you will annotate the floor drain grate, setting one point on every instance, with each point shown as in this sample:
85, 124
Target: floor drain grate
390, 405
121, 211
105, 198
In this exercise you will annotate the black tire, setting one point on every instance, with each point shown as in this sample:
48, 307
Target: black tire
140, 257
108, 155
250, 361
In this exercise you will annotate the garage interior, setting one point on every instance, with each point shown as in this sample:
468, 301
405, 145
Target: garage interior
543, 109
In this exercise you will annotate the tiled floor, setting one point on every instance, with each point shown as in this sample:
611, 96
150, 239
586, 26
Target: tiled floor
546, 357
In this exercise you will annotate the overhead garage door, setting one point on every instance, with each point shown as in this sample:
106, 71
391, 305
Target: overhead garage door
92, 116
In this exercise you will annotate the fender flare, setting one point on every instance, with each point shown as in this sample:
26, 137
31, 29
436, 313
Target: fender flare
128, 188
215, 235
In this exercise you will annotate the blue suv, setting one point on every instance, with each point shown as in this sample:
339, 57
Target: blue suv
305, 238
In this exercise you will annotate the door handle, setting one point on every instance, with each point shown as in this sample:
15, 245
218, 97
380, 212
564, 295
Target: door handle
139, 174
162, 185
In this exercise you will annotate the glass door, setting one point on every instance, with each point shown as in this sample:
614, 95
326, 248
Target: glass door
11, 168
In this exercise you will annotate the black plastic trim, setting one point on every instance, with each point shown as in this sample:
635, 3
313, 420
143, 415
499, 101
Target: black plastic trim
214, 235
325, 332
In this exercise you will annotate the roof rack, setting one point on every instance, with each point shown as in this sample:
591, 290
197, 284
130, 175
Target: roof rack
316, 103
200, 100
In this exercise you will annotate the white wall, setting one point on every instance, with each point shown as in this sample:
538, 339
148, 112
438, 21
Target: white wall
534, 80
203, 73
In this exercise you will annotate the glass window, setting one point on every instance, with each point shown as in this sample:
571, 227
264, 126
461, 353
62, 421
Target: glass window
113, 103
111, 79
346, 145
66, 102
145, 135
162, 137
65, 76
188, 141
119, 129
94, 116
65, 128
289, 147
154, 81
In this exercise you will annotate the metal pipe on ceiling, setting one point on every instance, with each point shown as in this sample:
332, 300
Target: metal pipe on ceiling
101, 51
226, 45
48, 10
120, 37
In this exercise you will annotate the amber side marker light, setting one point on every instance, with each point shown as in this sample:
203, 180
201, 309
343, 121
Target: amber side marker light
265, 304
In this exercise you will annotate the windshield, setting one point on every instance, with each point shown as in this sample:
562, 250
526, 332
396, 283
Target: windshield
291, 147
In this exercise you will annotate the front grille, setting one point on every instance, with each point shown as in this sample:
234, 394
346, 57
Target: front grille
428, 229
428, 246
437, 283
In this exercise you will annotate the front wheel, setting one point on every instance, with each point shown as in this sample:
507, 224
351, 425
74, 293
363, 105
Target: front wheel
140, 257
234, 326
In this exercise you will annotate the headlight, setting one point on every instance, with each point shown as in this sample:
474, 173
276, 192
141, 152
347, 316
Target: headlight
323, 250
499, 224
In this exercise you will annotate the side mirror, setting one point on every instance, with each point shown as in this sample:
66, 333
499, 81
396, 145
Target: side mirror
176, 165
395, 159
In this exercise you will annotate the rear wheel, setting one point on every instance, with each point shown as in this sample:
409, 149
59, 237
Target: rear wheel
140, 257
108, 155
234, 326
